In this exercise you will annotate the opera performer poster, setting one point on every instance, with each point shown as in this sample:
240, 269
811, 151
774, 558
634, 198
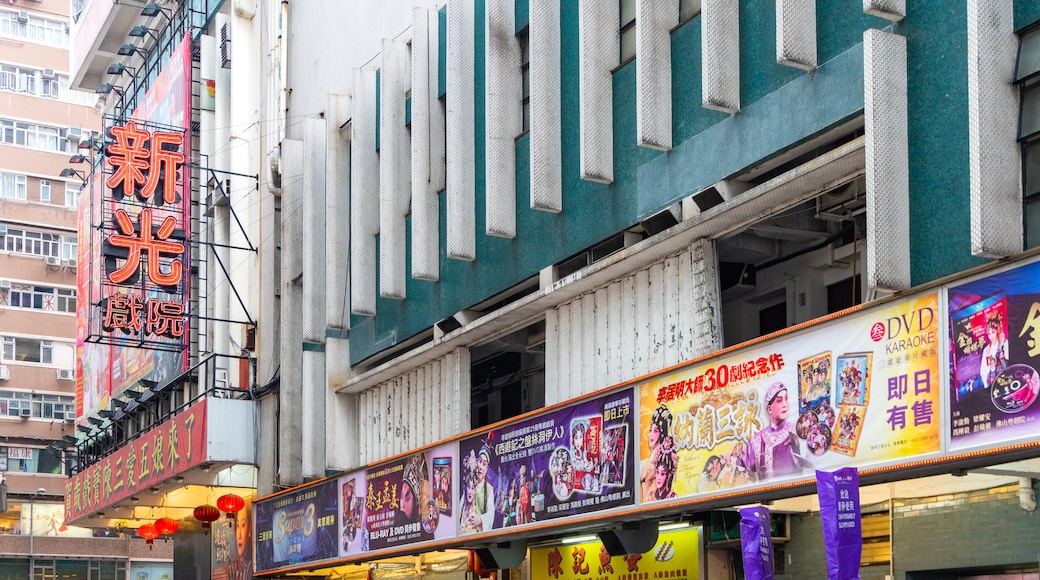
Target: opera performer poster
995, 358
574, 460
859, 390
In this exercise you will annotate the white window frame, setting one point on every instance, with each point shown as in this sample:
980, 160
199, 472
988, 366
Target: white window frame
13, 186
72, 192
45, 191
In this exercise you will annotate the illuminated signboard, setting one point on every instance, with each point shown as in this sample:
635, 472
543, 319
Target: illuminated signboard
141, 162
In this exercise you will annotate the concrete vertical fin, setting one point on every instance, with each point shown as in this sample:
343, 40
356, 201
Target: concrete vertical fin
654, 21
394, 170
796, 33
887, 161
427, 147
720, 55
290, 434
364, 194
503, 120
461, 126
995, 161
546, 134
314, 258
337, 212
598, 49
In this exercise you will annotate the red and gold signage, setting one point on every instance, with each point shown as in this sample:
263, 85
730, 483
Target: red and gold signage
162, 453
675, 556
145, 166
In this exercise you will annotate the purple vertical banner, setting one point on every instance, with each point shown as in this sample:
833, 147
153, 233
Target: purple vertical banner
842, 532
756, 542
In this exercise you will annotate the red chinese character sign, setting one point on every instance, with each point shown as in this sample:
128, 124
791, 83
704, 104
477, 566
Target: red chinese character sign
861, 390
135, 259
144, 244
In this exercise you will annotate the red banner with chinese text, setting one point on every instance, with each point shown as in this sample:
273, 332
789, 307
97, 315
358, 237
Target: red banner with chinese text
164, 452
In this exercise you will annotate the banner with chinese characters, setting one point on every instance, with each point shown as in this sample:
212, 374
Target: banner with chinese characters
297, 527
859, 390
838, 492
93, 373
167, 450
676, 556
574, 460
405, 501
995, 358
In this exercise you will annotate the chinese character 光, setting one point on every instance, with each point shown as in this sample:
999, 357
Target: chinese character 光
156, 245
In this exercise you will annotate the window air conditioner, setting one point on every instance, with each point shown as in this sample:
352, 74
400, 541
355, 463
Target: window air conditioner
74, 133
66, 374
5, 373
23, 16
26, 412
70, 263
52, 261
70, 416
5, 284
48, 73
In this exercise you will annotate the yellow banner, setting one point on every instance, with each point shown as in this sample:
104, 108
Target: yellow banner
862, 390
675, 556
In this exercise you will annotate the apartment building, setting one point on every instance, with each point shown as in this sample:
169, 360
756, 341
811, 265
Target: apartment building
45, 127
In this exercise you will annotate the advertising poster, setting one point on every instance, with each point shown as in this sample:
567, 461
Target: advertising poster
297, 527
165, 107
93, 384
402, 502
995, 358
861, 390
575, 460
47, 520
677, 555
231, 549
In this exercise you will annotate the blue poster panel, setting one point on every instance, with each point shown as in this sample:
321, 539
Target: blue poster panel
994, 358
569, 461
297, 527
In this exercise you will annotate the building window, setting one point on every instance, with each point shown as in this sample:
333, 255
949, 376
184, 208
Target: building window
17, 79
1027, 76
68, 247
39, 298
12, 186
45, 191
31, 135
525, 75
21, 349
627, 29
688, 9
33, 28
71, 195
30, 242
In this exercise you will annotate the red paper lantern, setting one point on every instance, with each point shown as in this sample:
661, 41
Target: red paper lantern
166, 526
231, 504
149, 533
207, 514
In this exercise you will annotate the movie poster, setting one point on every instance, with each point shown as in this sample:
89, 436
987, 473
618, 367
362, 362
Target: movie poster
574, 460
231, 548
297, 527
777, 410
398, 502
995, 358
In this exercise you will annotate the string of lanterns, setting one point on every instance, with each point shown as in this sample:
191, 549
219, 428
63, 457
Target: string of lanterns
228, 503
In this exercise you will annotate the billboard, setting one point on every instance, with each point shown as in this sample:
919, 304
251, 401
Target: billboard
163, 452
297, 527
677, 555
134, 248
231, 548
574, 460
862, 390
994, 338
